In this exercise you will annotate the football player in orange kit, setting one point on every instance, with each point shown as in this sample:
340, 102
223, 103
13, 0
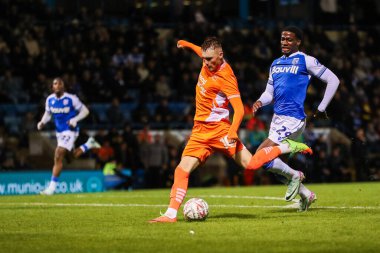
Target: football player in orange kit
212, 131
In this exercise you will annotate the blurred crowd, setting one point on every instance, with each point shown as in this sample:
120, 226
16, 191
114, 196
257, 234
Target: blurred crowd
134, 61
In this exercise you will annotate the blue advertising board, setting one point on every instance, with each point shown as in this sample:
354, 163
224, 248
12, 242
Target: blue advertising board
32, 182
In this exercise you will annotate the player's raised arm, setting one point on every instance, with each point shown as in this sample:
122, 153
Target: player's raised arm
186, 44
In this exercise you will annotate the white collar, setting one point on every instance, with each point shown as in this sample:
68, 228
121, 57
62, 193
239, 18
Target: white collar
63, 95
293, 54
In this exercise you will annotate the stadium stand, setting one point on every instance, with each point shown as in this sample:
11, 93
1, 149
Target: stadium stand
135, 61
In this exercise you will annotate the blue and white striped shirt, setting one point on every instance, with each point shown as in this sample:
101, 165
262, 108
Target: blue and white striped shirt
63, 109
290, 77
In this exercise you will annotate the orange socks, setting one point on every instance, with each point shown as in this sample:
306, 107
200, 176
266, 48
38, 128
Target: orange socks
263, 156
179, 188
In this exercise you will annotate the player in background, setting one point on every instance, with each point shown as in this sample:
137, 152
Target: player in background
67, 111
288, 81
212, 131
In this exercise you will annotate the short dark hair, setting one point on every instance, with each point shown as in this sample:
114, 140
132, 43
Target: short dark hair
60, 80
295, 30
211, 42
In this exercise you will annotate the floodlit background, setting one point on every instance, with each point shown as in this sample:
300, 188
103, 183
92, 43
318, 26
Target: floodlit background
120, 58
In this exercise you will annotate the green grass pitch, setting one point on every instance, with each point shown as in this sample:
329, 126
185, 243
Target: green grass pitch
346, 218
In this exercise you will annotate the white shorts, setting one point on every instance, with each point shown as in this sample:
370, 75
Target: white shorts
285, 127
66, 139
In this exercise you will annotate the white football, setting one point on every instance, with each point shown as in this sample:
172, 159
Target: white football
195, 209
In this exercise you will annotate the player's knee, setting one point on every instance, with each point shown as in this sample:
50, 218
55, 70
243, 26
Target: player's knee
77, 153
58, 160
58, 156
253, 164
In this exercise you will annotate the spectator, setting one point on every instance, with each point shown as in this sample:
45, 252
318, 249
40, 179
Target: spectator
31, 45
114, 114
339, 166
115, 177
12, 88
359, 149
162, 87
373, 138
119, 58
132, 62
141, 113
157, 162
105, 153
163, 113
322, 168
255, 137
135, 57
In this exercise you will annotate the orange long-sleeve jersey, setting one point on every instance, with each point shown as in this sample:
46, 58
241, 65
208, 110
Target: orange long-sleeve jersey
214, 90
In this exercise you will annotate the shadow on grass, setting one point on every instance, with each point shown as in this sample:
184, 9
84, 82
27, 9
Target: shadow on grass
295, 210
36, 207
285, 210
233, 215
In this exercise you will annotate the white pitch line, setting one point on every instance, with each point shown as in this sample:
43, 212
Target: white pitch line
81, 204
200, 196
244, 197
153, 205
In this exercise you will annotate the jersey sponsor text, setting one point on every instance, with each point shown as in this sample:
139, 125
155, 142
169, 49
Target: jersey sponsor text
293, 69
60, 110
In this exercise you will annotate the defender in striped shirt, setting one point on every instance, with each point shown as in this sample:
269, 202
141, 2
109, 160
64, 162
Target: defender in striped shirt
289, 78
67, 110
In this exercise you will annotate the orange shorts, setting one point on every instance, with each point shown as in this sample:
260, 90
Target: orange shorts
205, 140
